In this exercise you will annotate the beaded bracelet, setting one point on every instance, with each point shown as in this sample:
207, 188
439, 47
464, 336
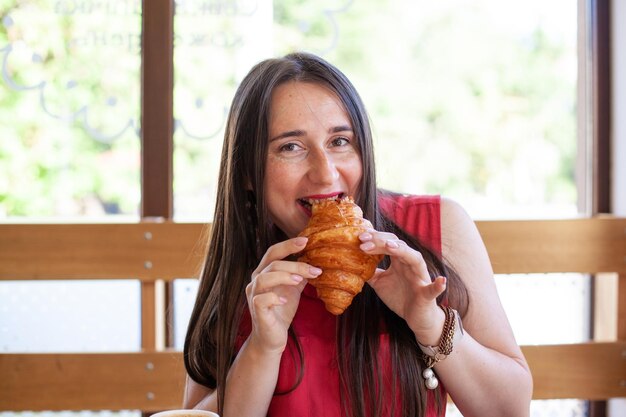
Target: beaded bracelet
452, 332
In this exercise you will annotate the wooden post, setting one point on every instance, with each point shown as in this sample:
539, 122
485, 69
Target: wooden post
157, 147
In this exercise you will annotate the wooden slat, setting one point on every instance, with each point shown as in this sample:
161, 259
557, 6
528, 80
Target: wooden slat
84, 251
116, 381
543, 246
121, 250
592, 371
153, 381
145, 251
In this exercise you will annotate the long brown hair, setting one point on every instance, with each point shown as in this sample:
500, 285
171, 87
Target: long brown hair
242, 231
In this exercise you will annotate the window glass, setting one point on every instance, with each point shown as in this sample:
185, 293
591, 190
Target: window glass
215, 45
185, 291
70, 316
474, 100
69, 95
547, 308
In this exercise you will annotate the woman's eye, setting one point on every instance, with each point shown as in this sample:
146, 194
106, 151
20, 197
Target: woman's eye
289, 147
341, 141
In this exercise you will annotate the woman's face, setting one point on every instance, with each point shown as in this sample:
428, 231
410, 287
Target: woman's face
312, 153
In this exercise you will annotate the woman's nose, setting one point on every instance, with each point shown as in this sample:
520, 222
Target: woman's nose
322, 169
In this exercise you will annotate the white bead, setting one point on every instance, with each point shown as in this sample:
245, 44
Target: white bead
432, 383
428, 373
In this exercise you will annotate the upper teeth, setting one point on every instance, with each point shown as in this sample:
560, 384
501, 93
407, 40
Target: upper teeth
318, 200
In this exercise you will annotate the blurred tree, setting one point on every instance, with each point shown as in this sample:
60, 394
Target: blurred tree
465, 100
70, 102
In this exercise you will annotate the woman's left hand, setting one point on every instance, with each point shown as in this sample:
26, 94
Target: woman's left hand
405, 287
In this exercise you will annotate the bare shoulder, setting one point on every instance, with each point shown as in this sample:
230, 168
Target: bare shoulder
463, 248
459, 234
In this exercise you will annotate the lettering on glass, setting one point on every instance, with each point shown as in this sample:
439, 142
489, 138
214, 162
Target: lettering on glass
82, 57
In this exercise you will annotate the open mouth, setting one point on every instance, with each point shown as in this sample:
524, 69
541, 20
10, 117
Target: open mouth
307, 203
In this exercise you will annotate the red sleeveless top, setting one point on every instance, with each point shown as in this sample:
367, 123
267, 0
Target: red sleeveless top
318, 393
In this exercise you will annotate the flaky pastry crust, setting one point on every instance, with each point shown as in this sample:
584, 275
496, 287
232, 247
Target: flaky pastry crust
333, 232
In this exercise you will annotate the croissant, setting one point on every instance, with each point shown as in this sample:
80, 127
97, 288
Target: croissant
333, 232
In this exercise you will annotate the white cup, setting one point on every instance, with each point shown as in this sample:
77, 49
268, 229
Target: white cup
185, 413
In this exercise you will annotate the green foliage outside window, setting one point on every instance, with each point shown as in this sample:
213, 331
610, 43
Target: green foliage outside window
464, 101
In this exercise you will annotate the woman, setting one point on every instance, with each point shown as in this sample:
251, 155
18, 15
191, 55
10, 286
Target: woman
260, 342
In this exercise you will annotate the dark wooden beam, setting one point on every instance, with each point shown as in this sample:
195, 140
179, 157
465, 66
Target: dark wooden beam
601, 79
157, 120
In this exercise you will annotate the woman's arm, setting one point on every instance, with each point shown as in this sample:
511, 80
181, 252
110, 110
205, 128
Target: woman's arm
486, 374
198, 396
273, 295
249, 386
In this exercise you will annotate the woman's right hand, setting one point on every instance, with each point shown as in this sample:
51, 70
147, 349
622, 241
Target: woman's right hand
273, 294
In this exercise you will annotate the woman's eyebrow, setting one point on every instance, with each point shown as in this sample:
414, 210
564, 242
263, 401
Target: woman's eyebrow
289, 134
341, 128
299, 132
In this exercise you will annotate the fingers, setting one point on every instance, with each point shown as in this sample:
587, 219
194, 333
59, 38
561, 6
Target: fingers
267, 301
437, 287
265, 290
281, 250
282, 273
388, 244
299, 268
273, 272
379, 242
273, 294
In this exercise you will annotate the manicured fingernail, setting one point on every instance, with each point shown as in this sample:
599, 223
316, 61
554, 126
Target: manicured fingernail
282, 300
314, 271
365, 236
368, 245
392, 244
296, 277
300, 241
